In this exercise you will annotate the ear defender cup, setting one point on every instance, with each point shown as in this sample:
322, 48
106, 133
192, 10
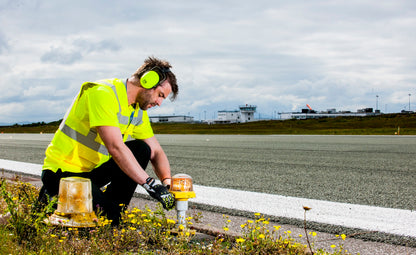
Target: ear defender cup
149, 79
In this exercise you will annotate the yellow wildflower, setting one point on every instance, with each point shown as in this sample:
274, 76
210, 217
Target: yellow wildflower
343, 236
261, 236
239, 240
169, 221
226, 229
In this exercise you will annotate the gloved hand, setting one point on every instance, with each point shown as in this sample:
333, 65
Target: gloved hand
160, 193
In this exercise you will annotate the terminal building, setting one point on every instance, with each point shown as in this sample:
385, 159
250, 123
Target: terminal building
330, 113
245, 114
171, 119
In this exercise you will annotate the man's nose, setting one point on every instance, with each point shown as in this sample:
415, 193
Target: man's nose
159, 101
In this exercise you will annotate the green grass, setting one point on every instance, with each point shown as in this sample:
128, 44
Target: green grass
386, 124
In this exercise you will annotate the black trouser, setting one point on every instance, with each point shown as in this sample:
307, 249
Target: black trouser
120, 188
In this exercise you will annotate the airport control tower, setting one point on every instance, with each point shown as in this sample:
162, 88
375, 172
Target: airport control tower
247, 112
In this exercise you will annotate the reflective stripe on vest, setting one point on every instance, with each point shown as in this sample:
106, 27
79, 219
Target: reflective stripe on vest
89, 139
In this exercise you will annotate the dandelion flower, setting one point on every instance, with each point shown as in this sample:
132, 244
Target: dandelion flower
333, 246
169, 221
261, 236
240, 240
243, 225
257, 214
343, 236
225, 228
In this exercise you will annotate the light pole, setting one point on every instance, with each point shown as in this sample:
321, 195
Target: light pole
376, 102
409, 101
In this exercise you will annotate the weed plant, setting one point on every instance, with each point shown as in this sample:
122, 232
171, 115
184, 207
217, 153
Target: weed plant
141, 231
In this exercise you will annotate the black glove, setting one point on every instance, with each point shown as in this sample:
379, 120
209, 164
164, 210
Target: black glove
160, 193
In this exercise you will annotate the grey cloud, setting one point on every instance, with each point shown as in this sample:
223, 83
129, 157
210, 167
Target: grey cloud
77, 50
3, 43
103, 45
61, 56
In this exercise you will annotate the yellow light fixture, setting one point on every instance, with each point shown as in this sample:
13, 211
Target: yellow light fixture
74, 204
182, 189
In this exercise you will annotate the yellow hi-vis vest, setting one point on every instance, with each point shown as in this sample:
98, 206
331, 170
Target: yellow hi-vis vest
76, 146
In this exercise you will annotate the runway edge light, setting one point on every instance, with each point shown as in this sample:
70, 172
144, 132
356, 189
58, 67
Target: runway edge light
182, 189
74, 204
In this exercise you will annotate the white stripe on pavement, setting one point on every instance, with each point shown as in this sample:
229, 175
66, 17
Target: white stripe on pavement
371, 218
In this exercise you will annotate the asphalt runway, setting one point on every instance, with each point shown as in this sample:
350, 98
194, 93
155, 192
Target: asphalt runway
365, 170
353, 183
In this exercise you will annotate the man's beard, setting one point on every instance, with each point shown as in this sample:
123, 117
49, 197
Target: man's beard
143, 99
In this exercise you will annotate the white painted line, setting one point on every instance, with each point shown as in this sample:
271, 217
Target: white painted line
21, 167
371, 218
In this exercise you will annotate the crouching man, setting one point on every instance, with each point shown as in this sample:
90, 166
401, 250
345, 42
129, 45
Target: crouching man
106, 136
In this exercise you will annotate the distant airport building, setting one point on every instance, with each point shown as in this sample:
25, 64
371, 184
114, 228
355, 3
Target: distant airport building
330, 113
171, 119
245, 114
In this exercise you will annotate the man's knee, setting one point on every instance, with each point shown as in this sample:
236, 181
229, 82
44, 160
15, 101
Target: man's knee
141, 151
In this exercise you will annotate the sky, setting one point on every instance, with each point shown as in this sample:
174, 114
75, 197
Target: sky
278, 55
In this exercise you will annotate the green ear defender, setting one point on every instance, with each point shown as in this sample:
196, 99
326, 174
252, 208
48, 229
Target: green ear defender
154, 77
149, 79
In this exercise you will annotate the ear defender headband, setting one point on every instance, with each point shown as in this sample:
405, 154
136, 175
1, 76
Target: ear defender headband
154, 77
